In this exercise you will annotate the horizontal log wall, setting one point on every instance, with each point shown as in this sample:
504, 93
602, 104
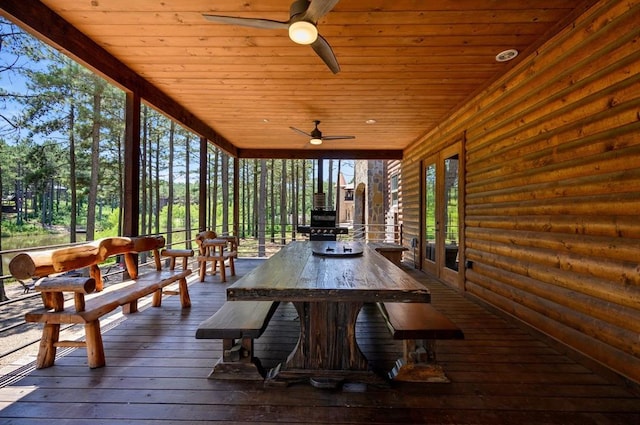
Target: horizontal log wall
553, 187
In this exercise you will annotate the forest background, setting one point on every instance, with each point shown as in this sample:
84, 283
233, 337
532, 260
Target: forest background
61, 164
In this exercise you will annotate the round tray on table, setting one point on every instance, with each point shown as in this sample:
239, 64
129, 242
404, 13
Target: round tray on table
337, 249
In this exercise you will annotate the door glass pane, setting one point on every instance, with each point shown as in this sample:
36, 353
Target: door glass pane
451, 223
430, 212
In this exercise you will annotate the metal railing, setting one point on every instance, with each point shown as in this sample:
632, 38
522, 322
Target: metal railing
249, 245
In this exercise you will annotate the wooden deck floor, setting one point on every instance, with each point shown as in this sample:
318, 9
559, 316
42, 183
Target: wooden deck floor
156, 374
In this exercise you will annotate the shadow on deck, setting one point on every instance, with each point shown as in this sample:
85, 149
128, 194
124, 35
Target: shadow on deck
156, 374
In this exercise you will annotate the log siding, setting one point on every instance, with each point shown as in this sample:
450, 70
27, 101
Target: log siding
552, 183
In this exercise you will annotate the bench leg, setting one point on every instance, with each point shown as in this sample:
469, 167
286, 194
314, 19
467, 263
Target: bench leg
237, 362
418, 363
232, 267
203, 270
223, 274
47, 351
157, 298
185, 300
130, 308
95, 349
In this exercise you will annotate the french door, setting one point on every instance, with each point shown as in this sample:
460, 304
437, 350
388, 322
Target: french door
442, 214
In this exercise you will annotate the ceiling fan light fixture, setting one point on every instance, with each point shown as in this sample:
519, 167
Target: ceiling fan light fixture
303, 32
315, 141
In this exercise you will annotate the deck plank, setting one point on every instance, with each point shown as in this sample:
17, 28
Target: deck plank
156, 374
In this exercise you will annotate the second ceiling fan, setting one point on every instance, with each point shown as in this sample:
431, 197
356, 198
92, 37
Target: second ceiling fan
316, 137
303, 17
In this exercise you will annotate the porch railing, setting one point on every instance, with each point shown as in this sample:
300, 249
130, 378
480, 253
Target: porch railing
249, 246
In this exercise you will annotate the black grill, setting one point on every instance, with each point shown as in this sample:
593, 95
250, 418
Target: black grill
323, 226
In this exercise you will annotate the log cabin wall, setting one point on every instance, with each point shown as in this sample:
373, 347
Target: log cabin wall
552, 216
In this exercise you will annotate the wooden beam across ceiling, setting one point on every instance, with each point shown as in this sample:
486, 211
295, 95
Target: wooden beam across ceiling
319, 154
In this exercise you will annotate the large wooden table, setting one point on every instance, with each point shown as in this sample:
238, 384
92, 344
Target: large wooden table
327, 293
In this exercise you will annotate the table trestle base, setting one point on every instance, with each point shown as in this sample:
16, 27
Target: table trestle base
279, 376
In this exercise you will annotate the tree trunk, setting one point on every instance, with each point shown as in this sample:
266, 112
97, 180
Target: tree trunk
143, 166
187, 190
254, 229
149, 173
262, 204
3, 294
272, 209
338, 194
329, 198
172, 130
121, 186
95, 160
73, 187
283, 204
245, 202
294, 201
157, 185
304, 192
225, 194
216, 185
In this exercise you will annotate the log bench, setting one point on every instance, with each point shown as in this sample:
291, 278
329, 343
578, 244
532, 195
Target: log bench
85, 307
237, 324
418, 325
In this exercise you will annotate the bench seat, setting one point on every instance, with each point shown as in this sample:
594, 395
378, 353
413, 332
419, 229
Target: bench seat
418, 325
237, 324
121, 294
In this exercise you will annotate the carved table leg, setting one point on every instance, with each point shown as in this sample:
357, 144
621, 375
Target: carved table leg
327, 349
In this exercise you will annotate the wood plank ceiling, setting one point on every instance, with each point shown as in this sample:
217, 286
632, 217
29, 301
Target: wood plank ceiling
407, 64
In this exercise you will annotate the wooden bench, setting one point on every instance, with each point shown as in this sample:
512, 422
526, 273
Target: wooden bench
419, 326
237, 324
50, 266
390, 251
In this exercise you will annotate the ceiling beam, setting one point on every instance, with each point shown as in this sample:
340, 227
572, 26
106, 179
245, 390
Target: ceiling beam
48, 26
319, 154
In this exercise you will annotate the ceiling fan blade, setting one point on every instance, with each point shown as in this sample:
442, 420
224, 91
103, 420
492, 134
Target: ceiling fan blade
337, 137
300, 131
317, 9
323, 49
266, 24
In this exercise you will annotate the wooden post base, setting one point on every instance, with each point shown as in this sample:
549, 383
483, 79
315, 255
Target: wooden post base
237, 371
418, 363
279, 376
417, 372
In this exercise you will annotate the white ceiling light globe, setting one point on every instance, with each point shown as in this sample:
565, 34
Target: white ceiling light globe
303, 32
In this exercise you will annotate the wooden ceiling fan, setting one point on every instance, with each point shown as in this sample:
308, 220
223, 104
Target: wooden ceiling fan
316, 137
302, 26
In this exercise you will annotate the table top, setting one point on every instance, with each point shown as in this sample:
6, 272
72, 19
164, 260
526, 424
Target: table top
295, 274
